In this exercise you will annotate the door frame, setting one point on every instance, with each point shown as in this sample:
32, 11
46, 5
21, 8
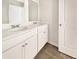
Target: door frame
61, 27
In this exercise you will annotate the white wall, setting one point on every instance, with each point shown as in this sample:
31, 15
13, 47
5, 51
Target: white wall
49, 15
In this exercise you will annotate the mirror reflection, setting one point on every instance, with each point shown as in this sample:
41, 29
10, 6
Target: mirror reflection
13, 11
33, 11
11, 8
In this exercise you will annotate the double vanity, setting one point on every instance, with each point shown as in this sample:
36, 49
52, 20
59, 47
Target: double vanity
24, 43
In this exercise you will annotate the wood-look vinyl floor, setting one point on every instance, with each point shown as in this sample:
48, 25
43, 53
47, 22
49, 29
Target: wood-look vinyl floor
51, 52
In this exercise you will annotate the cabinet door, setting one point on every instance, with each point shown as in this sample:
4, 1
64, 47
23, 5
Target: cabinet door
31, 48
14, 53
42, 36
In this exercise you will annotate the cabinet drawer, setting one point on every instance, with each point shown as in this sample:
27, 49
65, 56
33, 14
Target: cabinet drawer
43, 28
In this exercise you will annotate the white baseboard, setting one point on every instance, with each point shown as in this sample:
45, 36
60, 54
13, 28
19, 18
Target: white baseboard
70, 52
53, 43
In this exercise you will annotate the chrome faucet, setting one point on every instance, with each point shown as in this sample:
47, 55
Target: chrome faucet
14, 26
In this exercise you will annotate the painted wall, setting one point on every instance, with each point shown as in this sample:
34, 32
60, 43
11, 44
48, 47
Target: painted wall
49, 15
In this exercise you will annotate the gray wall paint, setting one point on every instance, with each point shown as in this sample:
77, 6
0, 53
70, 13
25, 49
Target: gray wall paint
49, 15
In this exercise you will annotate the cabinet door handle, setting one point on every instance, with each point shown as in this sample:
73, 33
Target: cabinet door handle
26, 44
23, 45
60, 25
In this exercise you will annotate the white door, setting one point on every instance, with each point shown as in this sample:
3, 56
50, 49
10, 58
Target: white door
67, 27
31, 47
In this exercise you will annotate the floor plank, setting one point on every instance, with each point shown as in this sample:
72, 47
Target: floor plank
51, 52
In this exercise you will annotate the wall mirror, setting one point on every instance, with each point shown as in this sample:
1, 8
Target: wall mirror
11, 8
13, 11
33, 11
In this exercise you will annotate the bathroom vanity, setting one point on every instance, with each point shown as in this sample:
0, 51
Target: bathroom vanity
25, 43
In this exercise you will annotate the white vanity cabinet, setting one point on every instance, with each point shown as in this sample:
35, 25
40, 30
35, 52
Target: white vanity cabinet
25, 50
42, 36
14, 53
26, 44
21, 45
